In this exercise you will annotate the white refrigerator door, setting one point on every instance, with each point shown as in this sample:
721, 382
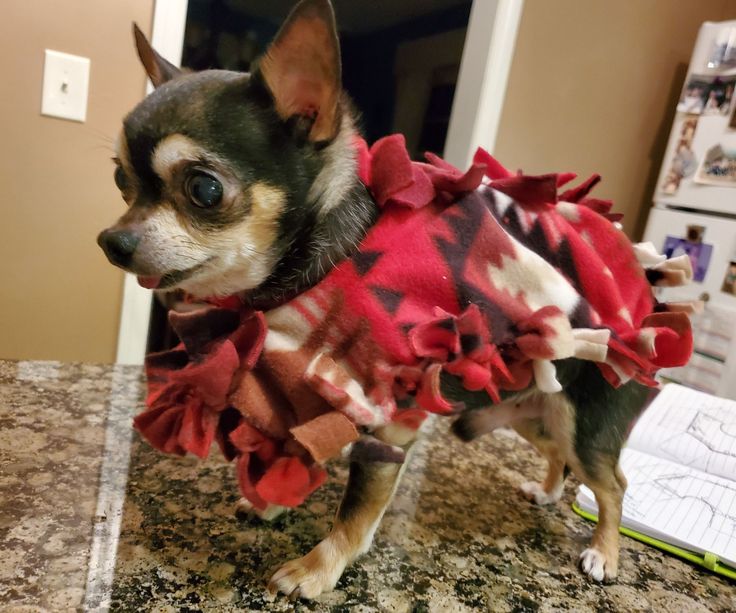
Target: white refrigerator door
710, 132
713, 366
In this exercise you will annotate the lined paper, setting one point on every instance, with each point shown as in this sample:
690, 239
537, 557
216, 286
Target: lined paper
676, 504
690, 428
680, 464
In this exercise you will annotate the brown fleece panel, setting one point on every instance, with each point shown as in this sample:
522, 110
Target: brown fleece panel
326, 435
287, 368
262, 405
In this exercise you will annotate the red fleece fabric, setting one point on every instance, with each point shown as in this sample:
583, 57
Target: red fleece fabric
486, 275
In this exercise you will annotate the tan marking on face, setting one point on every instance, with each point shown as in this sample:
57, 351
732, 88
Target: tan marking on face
172, 151
267, 204
244, 251
258, 230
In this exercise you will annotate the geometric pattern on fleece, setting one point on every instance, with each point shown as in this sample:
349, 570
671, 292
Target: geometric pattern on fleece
486, 275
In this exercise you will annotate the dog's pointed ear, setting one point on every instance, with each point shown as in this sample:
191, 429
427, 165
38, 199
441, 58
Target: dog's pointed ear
159, 70
301, 68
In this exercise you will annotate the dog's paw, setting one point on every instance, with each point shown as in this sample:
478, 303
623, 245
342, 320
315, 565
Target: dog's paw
309, 576
244, 509
593, 563
535, 492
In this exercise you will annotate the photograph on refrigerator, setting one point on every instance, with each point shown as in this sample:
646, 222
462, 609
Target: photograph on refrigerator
720, 96
698, 252
708, 95
729, 281
684, 162
718, 167
723, 55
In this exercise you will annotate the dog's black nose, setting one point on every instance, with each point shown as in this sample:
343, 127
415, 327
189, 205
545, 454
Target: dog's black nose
118, 245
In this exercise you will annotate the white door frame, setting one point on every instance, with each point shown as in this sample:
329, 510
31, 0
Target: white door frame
476, 112
169, 20
484, 74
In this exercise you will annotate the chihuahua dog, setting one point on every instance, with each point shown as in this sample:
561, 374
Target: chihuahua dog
247, 184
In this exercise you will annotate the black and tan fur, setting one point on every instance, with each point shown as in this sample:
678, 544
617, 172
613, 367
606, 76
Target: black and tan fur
276, 148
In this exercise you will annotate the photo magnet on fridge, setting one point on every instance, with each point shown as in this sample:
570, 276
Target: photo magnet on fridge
718, 167
698, 252
684, 163
729, 281
723, 54
707, 95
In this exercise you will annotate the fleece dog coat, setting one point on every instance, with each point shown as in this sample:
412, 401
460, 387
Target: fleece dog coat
486, 275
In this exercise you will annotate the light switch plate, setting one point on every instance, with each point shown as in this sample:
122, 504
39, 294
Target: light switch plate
65, 86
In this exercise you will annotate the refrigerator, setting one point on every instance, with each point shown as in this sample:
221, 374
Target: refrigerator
694, 207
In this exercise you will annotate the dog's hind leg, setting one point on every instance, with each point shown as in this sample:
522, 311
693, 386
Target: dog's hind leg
550, 490
557, 436
532, 415
600, 560
551, 435
371, 485
474, 423
603, 417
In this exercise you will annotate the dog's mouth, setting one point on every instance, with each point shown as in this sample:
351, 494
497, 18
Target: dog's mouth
169, 279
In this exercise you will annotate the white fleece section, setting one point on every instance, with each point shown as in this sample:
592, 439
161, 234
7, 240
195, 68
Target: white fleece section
287, 330
591, 344
501, 201
531, 276
646, 254
678, 269
625, 314
569, 211
545, 376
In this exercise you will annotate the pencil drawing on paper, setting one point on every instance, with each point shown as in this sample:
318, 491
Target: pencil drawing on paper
713, 503
708, 438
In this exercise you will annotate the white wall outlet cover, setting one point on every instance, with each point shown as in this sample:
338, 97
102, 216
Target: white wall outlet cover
65, 86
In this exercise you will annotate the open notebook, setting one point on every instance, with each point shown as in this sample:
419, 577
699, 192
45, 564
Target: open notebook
680, 463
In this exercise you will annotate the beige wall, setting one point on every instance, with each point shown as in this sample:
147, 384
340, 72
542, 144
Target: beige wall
59, 298
592, 89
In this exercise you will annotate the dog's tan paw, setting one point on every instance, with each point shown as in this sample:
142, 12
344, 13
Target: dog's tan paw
594, 563
309, 576
244, 508
535, 492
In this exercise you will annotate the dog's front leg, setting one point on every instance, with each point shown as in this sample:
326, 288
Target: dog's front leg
371, 484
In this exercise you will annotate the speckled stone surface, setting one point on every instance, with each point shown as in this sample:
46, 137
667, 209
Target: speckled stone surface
457, 537
53, 421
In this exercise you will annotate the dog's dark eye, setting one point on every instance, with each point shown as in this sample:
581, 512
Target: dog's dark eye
204, 191
120, 179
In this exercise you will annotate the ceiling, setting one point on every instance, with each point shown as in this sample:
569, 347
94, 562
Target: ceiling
352, 15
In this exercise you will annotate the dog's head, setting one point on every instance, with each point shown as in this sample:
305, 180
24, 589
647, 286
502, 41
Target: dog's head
221, 170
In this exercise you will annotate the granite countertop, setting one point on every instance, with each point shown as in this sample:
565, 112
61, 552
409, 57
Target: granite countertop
92, 517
